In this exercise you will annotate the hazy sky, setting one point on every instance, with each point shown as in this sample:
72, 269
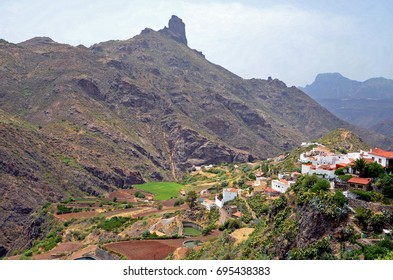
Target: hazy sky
289, 40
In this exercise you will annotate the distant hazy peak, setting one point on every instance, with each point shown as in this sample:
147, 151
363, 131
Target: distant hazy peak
330, 76
176, 30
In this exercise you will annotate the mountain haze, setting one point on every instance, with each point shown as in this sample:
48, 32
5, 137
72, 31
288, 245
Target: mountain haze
90, 120
364, 104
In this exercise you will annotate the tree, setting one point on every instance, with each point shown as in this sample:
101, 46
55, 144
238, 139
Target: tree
363, 215
265, 167
386, 183
373, 170
321, 185
191, 198
360, 166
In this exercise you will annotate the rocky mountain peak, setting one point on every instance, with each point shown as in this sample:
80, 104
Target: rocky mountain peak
176, 30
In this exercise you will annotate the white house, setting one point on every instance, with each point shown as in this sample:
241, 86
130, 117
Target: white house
281, 185
228, 194
208, 204
325, 171
384, 158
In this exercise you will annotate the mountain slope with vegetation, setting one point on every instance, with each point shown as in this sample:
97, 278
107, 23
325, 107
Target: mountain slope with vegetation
123, 112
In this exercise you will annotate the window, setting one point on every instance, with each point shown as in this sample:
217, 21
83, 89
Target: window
379, 160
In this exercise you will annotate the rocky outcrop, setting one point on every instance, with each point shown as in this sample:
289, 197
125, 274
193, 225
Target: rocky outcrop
119, 178
176, 30
189, 148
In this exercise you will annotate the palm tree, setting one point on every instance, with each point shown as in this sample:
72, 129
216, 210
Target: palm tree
360, 166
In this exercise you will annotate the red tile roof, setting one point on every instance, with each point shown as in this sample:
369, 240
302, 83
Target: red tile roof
270, 190
232, 190
237, 214
382, 153
361, 181
368, 160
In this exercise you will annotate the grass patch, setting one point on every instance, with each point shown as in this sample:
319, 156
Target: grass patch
191, 231
161, 190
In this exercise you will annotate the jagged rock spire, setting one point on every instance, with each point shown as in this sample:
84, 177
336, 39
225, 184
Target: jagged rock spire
176, 30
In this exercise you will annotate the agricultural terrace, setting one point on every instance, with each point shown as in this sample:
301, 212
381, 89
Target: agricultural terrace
161, 190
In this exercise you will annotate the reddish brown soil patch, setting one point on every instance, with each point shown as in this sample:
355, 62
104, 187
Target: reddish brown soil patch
145, 249
169, 203
59, 252
123, 195
152, 249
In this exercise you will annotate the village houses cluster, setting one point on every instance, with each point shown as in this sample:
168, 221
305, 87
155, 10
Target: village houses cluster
319, 161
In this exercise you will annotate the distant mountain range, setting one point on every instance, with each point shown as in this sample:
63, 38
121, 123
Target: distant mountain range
78, 120
368, 104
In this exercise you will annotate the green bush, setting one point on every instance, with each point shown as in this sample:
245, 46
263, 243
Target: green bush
230, 225
379, 250
62, 209
386, 183
113, 223
339, 198
208, 229
319, 250
363, 215
364, 195
339, 171
345, 177
139, 195
321, 185
178, 201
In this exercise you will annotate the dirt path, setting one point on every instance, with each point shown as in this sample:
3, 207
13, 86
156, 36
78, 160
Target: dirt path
223, 216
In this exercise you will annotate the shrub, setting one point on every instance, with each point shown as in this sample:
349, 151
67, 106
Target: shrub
362, 215
345, 177
339, 171
208, 229
339, 198
252, 176
113, 223
62, 209
178, 202
379, 250
321, 185
387, 185
139, 195
364, 195
145, 234
231, 225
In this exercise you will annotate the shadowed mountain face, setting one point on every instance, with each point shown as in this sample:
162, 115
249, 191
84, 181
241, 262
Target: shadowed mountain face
89, 120
368, 104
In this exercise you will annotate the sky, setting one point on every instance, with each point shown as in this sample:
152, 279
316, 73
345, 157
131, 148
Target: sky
289, 40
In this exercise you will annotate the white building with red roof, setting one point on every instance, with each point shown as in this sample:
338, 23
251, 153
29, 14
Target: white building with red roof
228, 194
281, 185
384, 158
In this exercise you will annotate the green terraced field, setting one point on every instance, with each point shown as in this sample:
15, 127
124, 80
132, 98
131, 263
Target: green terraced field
161, 190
